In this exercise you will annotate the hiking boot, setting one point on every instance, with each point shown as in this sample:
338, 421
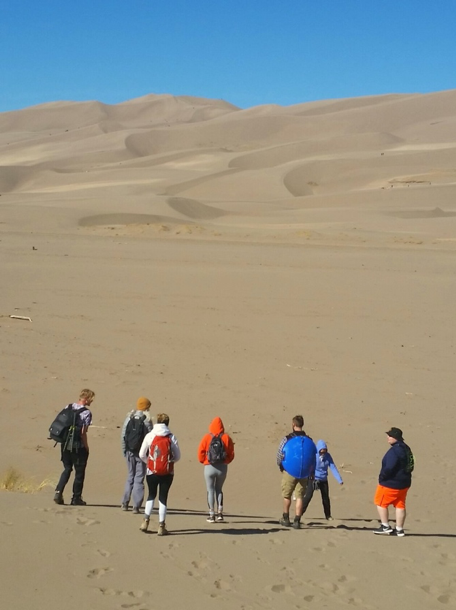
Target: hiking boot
211, 519
162, 531
124, 506
383, 529
58, 498
135, 510
144, 525
285, 521
296, 524
78, 501
220, 517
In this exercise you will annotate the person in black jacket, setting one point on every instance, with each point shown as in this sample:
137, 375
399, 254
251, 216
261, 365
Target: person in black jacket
394, 482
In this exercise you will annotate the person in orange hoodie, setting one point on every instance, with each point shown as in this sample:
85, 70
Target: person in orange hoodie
215, 451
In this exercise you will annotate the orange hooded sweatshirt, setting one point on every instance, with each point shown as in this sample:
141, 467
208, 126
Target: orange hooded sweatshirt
215, 427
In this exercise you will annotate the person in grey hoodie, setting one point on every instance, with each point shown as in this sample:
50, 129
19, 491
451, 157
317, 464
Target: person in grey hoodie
324, 462
136, 425
160, 451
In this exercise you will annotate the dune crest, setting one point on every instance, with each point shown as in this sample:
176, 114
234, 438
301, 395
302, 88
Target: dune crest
236, 170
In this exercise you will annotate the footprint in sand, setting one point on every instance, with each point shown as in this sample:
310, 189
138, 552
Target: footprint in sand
329, 586
280, 588
276, 588
88, 522
447, 559
444, 599
165, 555
345, 578
426, 588
98, 572
222, 585
356, 601
288, 570
39, 521
114, 593
103, 553
7, 523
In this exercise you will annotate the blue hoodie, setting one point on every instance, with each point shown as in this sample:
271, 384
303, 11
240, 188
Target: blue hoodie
324, 462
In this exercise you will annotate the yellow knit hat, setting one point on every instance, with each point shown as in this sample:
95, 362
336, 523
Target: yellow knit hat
143, 404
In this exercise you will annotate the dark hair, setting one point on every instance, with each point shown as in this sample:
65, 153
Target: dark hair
298, 421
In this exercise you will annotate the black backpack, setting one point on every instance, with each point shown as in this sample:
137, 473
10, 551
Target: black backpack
410, 463
64, 430
135, 433
216, 452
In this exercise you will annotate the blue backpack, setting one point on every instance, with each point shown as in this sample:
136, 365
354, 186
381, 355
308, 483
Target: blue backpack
299, 457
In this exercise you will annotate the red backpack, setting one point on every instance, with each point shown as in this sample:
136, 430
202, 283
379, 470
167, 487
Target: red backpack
160, 456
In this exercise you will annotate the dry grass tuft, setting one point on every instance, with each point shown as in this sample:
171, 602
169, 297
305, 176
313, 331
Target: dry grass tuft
13, 480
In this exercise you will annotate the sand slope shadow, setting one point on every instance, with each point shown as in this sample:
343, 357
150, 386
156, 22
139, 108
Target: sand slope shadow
194, 209
415, 214
103, 220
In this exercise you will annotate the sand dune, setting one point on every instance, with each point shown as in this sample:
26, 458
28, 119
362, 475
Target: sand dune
213, 152
252, 264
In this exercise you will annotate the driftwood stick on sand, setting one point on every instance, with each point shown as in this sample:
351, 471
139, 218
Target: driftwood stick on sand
21, 318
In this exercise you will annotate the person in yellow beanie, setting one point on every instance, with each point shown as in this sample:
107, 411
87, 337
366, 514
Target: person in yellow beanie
136, 425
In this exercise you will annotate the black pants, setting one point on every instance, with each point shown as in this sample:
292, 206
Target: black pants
323, 486
160, 482
78, 461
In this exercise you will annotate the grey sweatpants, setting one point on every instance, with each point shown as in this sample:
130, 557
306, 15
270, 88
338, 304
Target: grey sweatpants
215, 477
134, 485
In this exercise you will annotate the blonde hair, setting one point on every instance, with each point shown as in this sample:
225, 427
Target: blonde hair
87, 394
162, 418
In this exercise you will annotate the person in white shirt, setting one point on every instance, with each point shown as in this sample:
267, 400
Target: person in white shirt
160, 451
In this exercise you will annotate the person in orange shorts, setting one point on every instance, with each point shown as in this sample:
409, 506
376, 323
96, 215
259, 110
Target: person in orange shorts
394, 482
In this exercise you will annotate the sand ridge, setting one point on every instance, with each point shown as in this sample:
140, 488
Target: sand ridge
218, 156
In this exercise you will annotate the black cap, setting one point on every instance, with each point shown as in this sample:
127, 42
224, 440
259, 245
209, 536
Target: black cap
395, 433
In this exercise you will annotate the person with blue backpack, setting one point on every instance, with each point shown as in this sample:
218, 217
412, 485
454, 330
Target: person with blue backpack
296, 462
324, 462
136, 425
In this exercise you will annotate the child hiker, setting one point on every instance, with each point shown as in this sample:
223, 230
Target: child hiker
324, 462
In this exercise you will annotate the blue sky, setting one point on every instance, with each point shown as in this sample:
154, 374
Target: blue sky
248, 52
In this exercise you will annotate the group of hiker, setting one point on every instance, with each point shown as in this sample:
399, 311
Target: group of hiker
150, 450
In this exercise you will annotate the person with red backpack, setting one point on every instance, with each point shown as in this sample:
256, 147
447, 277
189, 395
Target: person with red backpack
159, 451
215, 451
136, 425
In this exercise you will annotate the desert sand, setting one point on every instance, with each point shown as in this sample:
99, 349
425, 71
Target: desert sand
252, 264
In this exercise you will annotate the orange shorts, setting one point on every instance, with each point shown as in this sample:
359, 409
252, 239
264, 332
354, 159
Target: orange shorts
384, 496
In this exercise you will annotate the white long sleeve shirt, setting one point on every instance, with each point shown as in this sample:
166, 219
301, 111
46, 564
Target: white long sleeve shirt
159, 430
